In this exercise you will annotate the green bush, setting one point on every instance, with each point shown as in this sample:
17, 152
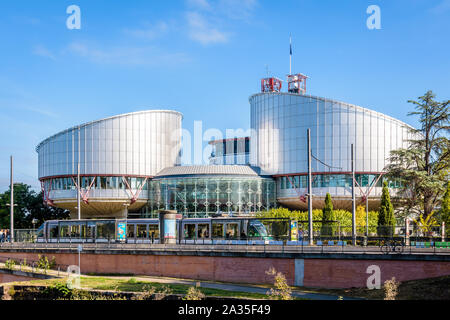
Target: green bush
343, 216
10, 263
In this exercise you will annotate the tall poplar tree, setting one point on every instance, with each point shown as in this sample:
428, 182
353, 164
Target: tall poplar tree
327, 216
386, 218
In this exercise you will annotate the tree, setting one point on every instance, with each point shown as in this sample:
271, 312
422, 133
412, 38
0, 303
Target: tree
29, 206
444, 212
327, 216
386, 218
423, 166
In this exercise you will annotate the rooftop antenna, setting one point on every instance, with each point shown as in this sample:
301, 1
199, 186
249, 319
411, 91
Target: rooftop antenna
267, 70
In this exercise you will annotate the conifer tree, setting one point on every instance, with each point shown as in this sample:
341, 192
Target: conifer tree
386, 218
327, 215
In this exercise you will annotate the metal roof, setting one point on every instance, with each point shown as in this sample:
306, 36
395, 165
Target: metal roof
105, 119
241, 170
358, 108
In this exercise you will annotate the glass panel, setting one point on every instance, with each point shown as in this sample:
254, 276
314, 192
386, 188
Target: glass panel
153, 230
106, 230
217, 229
130, 230
53, 231
232, 231
203, 231
189, 231
141, 231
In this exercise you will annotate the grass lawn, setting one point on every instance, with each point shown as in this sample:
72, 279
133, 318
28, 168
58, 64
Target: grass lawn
133, 285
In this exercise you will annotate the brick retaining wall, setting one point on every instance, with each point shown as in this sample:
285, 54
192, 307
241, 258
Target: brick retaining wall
310, 272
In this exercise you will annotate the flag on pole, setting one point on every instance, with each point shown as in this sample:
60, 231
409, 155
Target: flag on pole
290, 46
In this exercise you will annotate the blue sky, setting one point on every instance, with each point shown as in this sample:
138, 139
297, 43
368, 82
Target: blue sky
204, 58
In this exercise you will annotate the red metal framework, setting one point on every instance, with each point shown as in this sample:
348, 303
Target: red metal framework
46, 193
302, 197
364, 194
271, 85
297, 83
134, 196
84, 194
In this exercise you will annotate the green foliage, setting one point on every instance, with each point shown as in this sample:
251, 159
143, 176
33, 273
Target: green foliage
327, 215
43, 263
386, 218
444, 213
343, 216
194, 294
29, 206
10, 263
58, 291
24, 264
423, 166
132, 280
425, 224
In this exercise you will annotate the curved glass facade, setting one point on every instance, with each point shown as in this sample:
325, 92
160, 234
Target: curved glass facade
334, 180
103, 183
204, 196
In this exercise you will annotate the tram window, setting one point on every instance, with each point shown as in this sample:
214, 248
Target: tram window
106, 230
217, 230
203, 231
141, 231
53, 232
153, 229
83, 230
75, 231
189, 231
90, 233
64, 231
130, 230
232, 230
256, 229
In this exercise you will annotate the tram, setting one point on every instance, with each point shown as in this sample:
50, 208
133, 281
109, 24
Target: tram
190, 230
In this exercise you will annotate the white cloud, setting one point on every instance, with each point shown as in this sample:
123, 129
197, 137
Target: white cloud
200, 30
206, 19
135, 56
237, 9
199, 4
42, 51
149, 32
442, 7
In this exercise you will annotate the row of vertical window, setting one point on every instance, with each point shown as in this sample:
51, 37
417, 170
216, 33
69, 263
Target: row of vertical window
335, 180
105, 183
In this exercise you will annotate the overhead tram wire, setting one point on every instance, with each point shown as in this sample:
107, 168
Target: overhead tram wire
331, 167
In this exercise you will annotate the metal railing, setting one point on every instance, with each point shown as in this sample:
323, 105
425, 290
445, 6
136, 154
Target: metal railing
325, 245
